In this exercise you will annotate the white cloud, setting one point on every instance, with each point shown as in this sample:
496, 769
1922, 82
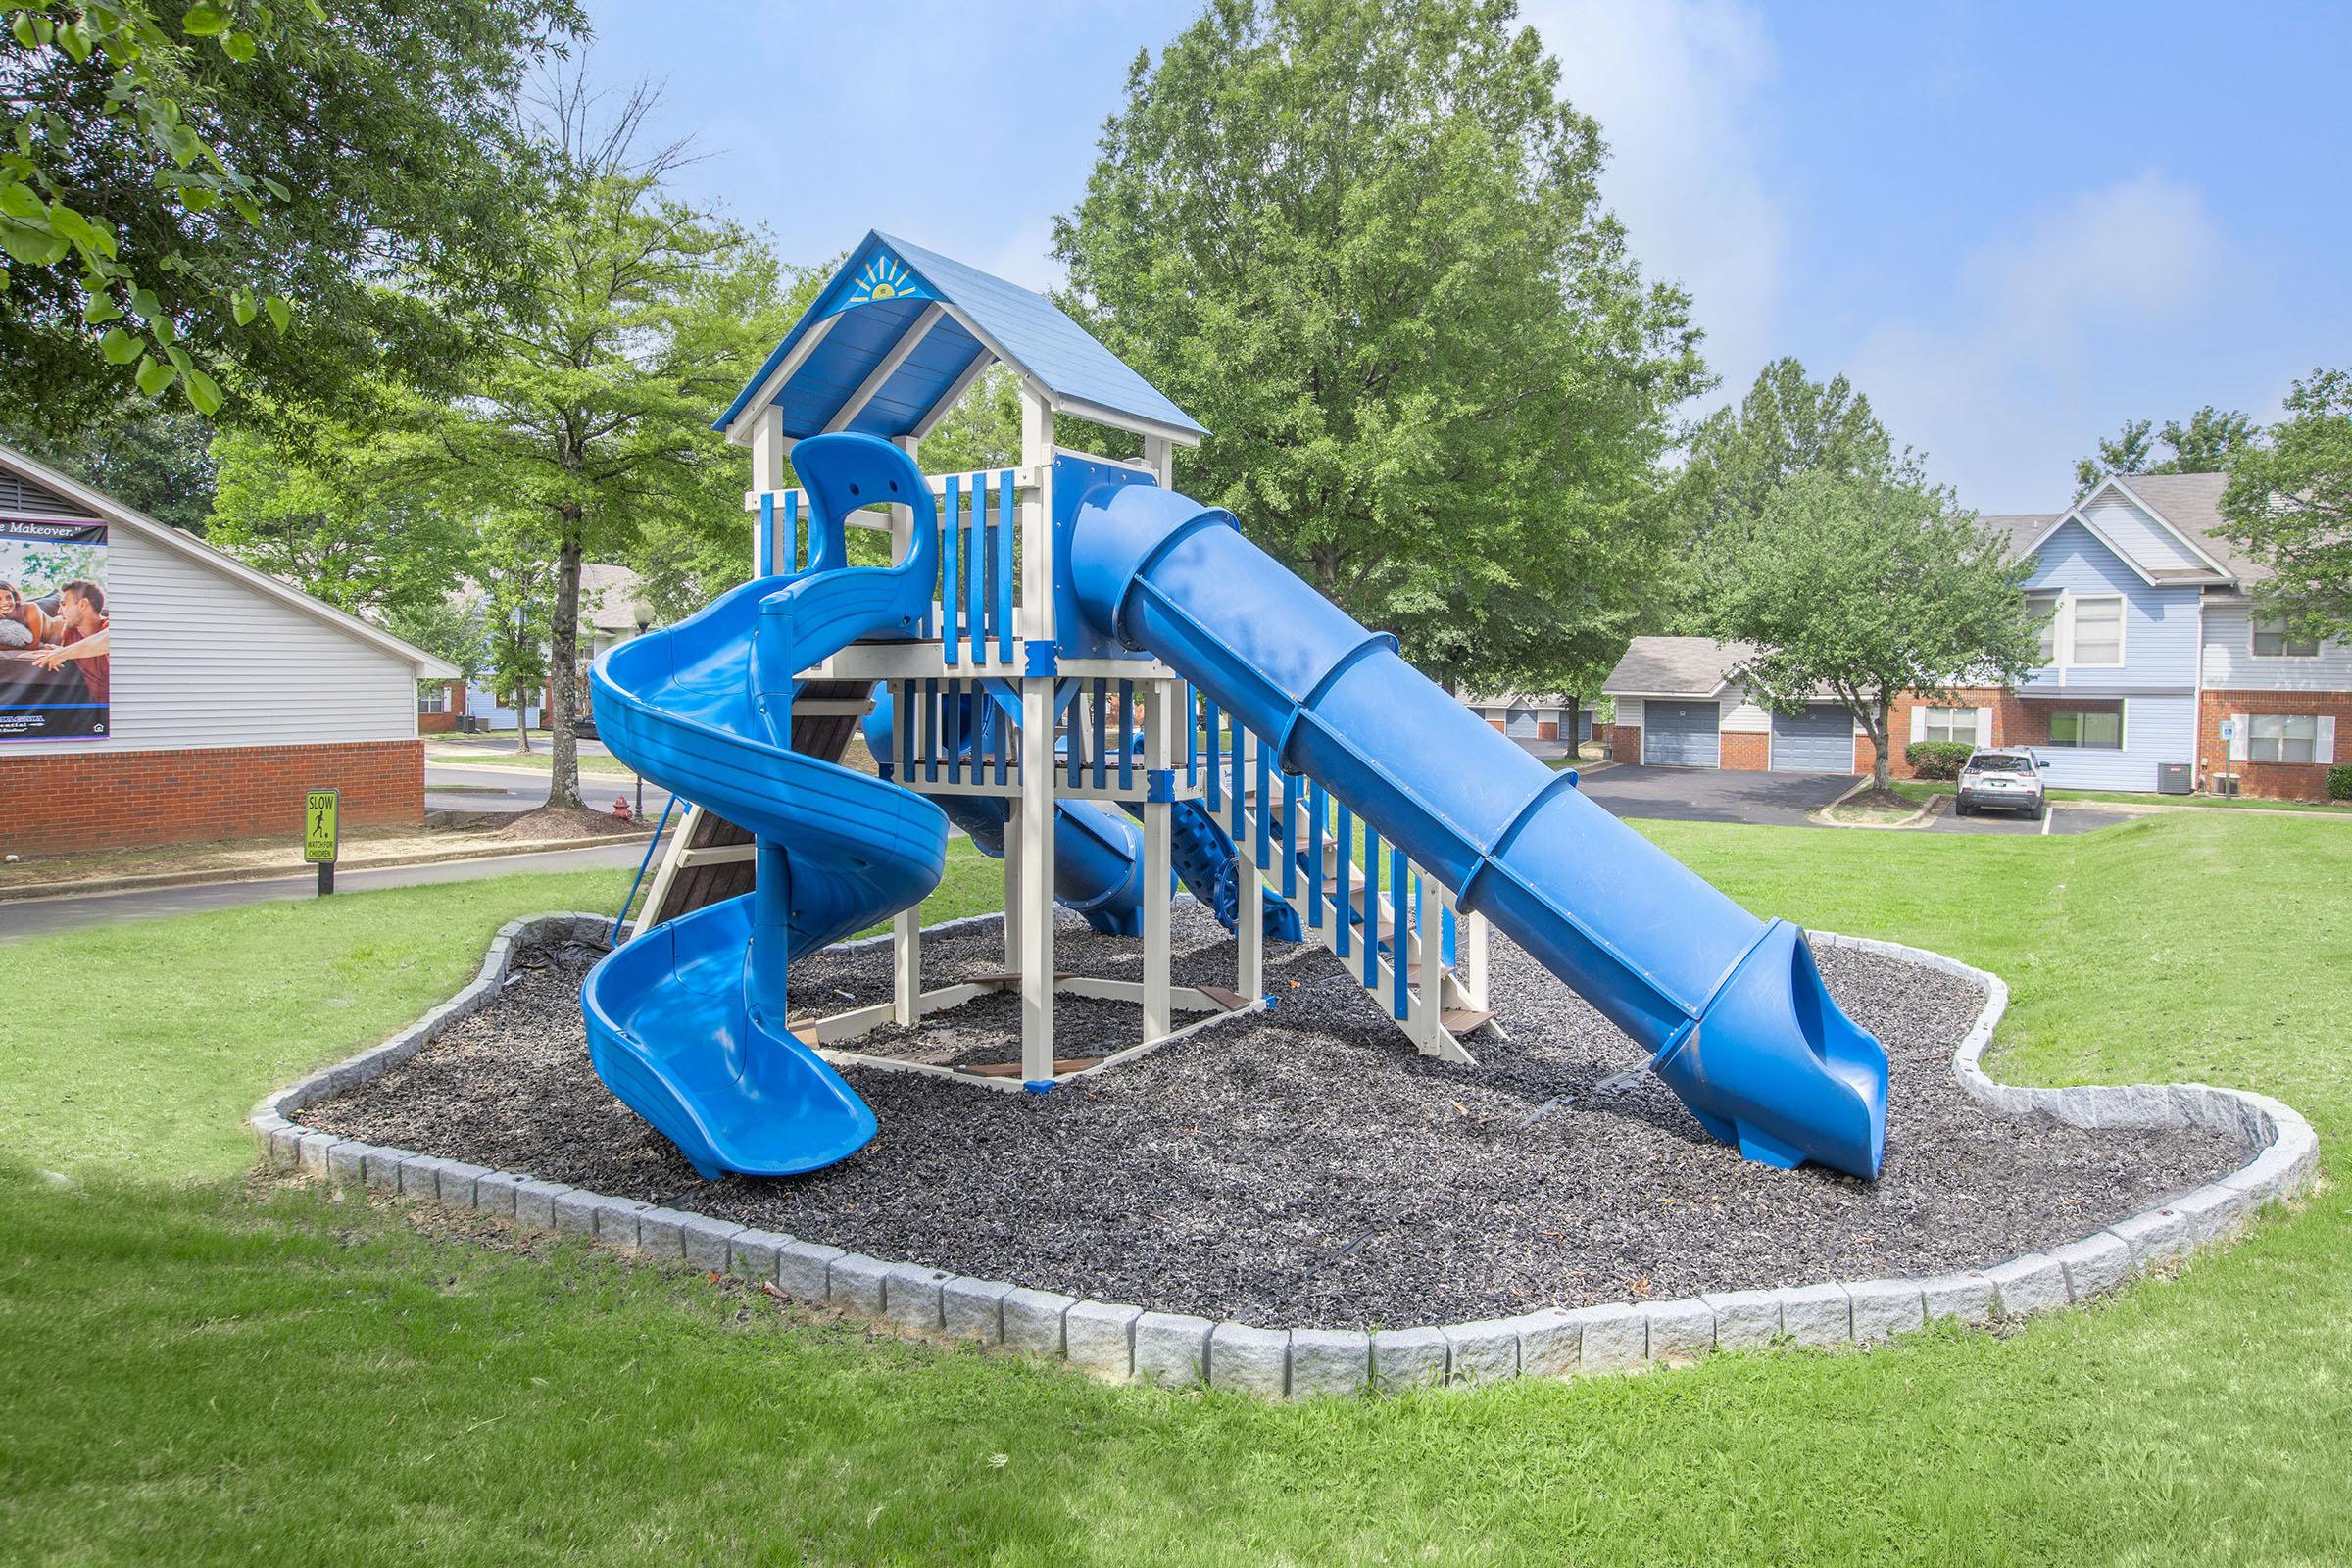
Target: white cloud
1678, 87
2000, 386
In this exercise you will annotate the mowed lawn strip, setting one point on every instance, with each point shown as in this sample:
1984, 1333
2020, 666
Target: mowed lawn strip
197, 1373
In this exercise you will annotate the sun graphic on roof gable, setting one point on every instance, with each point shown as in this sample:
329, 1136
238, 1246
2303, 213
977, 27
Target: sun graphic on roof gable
885, 278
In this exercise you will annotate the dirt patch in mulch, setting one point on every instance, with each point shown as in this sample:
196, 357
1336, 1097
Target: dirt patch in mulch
566, 822
1307, 1167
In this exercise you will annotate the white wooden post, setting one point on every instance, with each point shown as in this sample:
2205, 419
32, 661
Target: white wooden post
768, 447
1036, 849
1012, 885
1160, 705
902, 518
1249, 940
907, 966
1160, 456
1470, 958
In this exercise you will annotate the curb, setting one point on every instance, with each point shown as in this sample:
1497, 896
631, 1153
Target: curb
194, 879
1917, 818
1123, 1344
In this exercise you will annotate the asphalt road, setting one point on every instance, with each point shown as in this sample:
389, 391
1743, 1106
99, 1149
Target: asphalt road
1789, 799
452, 787
24, 917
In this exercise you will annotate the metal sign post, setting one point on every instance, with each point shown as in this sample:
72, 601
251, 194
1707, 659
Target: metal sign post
321, 833
2229, 762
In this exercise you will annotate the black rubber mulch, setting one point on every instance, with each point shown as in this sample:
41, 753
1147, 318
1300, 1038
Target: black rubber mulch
1308, 1167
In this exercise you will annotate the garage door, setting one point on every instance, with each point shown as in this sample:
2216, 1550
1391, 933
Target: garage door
1520, 724
1680, 734
1819, 740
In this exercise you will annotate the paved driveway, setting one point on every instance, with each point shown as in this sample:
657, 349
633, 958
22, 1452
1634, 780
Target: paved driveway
451, 788
2060, 818
1714, 795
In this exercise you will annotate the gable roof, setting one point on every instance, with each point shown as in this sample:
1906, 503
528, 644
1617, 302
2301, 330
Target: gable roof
2190, 512
896, 334
1675, 666
98, 507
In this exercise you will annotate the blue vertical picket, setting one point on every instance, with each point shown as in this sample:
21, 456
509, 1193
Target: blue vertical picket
1126, 735
949, 596
902, 712
958, 740
1400, 944
975, 571
1445, 936
1342, 898
1315, 809
1237, 784
1192, 735
1265, 804
1290, 835
796, 551
763, 551
1099, 704
1371, 905
1005, 565
1210, 722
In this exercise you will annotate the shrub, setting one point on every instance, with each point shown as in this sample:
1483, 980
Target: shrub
2339, 782
1937, 759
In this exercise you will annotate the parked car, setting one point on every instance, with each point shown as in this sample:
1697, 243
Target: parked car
2005, 778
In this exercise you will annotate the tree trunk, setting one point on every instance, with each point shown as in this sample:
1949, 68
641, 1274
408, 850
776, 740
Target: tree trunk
1568, 730
564, 638
1878, 740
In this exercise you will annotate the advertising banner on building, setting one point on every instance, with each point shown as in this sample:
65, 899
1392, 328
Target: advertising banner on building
55, 668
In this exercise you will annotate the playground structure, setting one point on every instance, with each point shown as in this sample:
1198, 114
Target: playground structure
1108, 686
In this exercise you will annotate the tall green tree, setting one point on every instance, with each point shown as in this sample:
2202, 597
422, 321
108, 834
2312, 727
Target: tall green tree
1864, 589
2209, 443
348, 521
2290, 504
1741, 458
1362, 242
185, 179
639, 315
154, 458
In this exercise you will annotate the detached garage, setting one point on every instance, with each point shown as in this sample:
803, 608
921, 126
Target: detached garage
1681, 734
1819, 740
1679, 704
154, 690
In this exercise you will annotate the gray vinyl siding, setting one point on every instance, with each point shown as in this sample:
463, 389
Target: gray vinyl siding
201, 658
2156, 730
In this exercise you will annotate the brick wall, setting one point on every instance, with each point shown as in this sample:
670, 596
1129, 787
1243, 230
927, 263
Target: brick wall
2278, 781
443, 722
2014, 723
1624, 741
1746, 753
105, 800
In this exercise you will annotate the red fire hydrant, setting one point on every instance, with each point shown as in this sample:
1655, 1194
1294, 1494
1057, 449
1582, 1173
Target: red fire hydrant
621, 809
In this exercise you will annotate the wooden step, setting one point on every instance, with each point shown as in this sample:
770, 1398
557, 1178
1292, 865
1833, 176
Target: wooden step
1464, 1020
1012, 1069
1230, 1000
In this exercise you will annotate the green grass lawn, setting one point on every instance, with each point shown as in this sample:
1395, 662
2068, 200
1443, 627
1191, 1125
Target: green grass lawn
448, 753
199, 1369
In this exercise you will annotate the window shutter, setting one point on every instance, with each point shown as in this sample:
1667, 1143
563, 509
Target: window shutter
2240, 736
2323, 748
1985, 735
1919, 722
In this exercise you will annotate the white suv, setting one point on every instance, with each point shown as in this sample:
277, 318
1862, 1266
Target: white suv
2007, 778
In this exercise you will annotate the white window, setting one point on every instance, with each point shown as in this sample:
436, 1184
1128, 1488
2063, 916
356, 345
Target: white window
2044, 609
2283, 738
2271, 640
432, 699
2098, 729
2097, 625
1953, 724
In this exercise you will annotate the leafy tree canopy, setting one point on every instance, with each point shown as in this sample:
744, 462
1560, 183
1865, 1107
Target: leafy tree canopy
1361, 242
173, 191
155, 459
2210, 443
2290, 504
1858, 588
590, 422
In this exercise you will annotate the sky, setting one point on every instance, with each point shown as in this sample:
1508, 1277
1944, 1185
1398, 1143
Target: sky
2012, 226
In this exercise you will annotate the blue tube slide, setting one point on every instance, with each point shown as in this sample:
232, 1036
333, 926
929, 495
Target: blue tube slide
1732, 1007
1097, 855
686, 1023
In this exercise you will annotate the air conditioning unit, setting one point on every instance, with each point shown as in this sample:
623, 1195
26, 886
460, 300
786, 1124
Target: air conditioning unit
2172, 778
2225, 783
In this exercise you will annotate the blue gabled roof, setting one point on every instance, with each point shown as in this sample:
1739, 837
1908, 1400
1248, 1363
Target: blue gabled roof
883, 289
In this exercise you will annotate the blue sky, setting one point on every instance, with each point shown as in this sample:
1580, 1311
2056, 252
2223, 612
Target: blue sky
2013, 225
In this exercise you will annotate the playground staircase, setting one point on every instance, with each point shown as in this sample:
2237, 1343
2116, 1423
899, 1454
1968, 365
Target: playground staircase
1397, 929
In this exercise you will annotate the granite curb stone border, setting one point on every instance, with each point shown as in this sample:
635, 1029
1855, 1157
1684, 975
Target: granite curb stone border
1131, 1343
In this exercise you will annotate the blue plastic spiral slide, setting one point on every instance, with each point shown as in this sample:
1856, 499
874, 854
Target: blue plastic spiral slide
1732, 1007
686, 1024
